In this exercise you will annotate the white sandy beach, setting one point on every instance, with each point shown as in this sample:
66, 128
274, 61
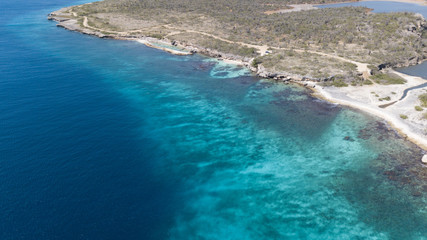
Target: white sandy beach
362, 98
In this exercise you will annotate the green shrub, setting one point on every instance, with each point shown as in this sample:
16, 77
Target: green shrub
403, 116
339, 83
387, 79
245, 51
423, 99
290, 53
372, 67
256, 62
418, 108
156, 35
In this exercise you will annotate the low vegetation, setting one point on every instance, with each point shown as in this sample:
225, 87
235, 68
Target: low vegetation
367, 82
403, 116
308, 64
423, 99
385, 99
387, 79
352, 32
338, 82
208, 42
418, 108
156, 35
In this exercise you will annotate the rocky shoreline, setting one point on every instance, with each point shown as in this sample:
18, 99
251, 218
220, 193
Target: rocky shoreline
308, 82
73, 25
70, 23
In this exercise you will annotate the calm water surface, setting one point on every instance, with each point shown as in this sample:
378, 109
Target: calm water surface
106, 139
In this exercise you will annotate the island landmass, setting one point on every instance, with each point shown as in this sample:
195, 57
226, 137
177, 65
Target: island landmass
345, 55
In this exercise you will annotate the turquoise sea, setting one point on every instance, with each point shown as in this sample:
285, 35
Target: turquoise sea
108, 139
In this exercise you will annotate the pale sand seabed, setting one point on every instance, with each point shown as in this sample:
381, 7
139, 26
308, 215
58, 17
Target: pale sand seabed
363, 98
235, 62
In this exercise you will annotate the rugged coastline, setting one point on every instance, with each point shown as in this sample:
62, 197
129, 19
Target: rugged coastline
415, 131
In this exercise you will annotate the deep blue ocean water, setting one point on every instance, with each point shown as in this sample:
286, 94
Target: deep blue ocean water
107, 139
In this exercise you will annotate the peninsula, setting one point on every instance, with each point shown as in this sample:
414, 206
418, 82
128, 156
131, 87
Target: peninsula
346, 55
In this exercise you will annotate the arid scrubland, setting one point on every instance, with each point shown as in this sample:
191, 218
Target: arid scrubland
355, 33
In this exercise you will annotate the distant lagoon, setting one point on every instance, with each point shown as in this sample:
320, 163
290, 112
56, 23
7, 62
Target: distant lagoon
382, 6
